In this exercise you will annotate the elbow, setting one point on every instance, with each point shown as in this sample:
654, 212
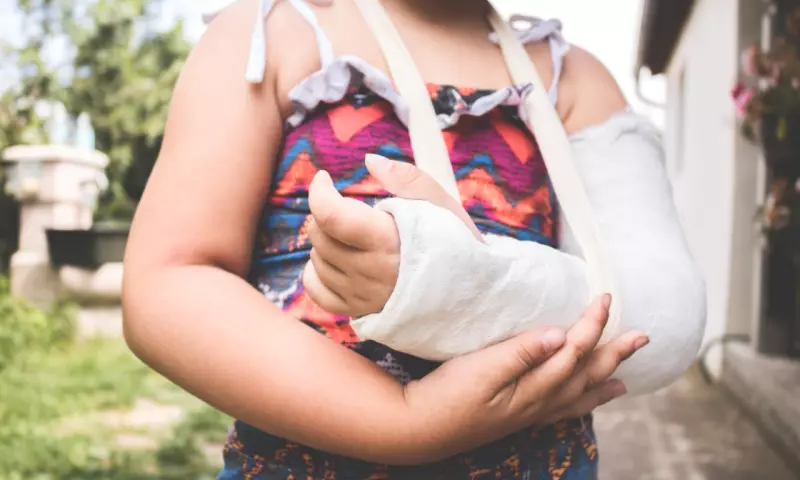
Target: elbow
146, 292
673, 313
683, 321
136, 328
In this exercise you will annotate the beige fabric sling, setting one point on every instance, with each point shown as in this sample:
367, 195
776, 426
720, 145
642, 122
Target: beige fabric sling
432, 156
430, 150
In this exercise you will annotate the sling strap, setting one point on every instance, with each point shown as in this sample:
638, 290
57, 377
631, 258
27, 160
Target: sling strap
431, 154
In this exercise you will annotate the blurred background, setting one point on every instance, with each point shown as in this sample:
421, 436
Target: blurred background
84, 87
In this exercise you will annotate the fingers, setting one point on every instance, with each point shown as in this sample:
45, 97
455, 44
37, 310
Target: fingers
583, 337
341, 294
333, 251
348, 220
598, 367
605, 360
589, 401
581, 340
528, 351
363, 269
330, 275
404, 180
320, 294
505, 362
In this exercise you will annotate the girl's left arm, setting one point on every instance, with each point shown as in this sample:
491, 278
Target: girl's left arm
453, 293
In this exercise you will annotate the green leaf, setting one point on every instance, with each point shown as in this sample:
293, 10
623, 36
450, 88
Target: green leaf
783, 128
121, 72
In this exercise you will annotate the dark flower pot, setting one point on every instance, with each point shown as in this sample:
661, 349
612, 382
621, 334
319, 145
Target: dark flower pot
779, 330
780, 139
87, 248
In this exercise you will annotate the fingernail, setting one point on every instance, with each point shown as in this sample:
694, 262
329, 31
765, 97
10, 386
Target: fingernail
607, 301
552, 340
378, 163
324, 176
641, 342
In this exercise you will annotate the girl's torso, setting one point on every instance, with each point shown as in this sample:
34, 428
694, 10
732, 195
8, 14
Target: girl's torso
345, 106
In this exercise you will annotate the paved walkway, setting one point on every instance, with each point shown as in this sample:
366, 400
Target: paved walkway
690, 431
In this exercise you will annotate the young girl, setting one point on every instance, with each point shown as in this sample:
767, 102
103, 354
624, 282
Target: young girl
256, 114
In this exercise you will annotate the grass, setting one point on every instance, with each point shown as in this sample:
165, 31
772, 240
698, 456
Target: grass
91, 410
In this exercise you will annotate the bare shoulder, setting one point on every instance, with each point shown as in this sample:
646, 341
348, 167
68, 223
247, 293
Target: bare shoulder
219, 141
290, 49
588, 93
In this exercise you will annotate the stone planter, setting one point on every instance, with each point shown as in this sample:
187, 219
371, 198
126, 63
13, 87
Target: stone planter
87, 248
54, 187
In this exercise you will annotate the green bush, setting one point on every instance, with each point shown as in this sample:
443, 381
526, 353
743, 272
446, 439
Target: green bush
61, 405
55, 423
26, 328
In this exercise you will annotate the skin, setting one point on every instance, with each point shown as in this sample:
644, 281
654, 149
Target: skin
190, 315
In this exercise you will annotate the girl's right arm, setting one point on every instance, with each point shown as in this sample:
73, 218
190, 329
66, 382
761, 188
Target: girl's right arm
191, 316
188, 312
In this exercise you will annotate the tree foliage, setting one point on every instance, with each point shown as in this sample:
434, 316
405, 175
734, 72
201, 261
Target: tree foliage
111, 59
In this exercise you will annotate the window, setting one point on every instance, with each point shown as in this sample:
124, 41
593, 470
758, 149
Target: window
681, 124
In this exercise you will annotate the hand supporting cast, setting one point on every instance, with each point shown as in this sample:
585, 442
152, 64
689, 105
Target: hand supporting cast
453, 292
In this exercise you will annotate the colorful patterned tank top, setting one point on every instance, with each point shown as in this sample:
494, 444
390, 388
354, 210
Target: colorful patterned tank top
503, 185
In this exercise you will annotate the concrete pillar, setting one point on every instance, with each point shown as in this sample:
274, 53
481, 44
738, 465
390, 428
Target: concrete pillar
57, 187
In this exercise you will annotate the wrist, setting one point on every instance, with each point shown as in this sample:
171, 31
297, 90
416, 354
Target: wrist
437, 426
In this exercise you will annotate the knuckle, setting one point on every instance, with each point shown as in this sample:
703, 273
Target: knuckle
362, 297
603, 367
537, 410
578, 352
329, 220
526, 356
607, 363
619, 356
626, 353
589, 384
606, 398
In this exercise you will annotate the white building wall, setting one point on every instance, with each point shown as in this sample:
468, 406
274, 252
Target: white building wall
701, 141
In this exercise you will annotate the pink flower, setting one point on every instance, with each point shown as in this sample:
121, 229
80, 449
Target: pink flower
752, 63
742, 96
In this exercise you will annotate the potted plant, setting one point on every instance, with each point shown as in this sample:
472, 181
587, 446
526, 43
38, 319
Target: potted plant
767, 101
768, 104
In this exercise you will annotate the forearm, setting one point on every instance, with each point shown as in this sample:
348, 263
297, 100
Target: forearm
661, 290
455, 294
463, 295
221, 340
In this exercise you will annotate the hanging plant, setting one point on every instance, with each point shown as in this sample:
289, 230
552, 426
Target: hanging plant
767, 102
